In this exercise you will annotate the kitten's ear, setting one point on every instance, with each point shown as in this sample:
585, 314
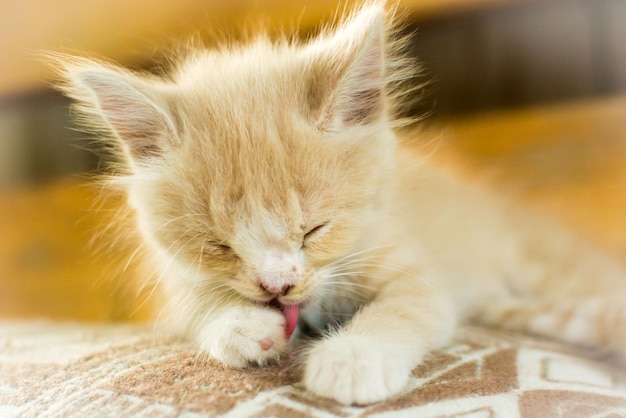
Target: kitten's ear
134, 109
354, 71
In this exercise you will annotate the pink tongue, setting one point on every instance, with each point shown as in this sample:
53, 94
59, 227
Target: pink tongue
291, 318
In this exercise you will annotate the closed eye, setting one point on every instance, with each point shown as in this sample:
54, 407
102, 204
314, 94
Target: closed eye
314, 231
219, 246
214, 251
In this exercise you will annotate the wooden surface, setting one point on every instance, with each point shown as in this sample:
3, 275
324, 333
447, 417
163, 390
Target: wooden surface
119, 29
568, 162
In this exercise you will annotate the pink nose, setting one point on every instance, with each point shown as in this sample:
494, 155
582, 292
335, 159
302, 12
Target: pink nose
277, 283
280, 290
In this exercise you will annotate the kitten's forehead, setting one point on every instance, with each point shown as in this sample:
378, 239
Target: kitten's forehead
259, 226
256, 78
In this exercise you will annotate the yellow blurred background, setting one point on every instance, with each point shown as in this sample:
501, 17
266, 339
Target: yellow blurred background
526, 95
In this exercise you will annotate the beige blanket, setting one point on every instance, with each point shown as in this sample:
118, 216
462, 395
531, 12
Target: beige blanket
83, 370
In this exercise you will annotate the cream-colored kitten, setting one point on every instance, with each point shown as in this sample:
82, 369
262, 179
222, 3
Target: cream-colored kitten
270, 186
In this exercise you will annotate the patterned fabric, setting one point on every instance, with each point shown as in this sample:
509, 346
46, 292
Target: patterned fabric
79, 370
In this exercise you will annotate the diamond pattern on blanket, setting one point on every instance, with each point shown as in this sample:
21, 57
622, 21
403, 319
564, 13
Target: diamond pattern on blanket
128, 370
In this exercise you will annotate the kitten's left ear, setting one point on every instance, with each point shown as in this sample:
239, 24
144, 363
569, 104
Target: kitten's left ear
353, 71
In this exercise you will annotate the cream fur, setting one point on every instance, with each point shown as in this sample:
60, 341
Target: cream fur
233, 159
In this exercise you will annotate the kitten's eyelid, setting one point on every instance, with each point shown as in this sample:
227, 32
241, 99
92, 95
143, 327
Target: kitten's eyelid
219, 245
314, 230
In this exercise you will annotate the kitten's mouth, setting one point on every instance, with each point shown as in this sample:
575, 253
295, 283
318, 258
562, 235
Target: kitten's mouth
290, 313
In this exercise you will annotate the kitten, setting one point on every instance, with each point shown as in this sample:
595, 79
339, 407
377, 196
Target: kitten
270, 186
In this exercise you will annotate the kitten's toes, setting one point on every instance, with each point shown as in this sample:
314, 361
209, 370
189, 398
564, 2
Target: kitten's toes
354, 369
244, 336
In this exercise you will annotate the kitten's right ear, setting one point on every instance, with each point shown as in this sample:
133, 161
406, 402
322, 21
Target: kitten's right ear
135, 110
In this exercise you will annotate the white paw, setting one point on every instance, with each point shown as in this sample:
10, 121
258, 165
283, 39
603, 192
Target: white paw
244, 335
355, 369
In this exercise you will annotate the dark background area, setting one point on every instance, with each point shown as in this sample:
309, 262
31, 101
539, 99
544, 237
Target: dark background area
524, 54
494, 58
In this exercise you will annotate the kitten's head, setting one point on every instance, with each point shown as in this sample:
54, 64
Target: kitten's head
254, 167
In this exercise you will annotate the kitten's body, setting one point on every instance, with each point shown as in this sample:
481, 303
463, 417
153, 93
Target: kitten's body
268, 179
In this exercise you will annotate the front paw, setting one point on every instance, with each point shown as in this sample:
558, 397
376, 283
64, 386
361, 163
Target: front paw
243, 336
356, 369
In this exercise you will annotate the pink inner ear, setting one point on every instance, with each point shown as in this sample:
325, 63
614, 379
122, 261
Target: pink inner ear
136, 119
358, 96
290, 312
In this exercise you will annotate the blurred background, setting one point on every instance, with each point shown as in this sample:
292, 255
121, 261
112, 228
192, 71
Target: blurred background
531, 92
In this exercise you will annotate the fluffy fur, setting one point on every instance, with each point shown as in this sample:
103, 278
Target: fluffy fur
268, 175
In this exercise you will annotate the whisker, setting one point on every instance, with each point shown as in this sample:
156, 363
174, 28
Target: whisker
391, 267
201, 255
363, 251
357, 297
350, 284
371, 263
187, 215
166, 268
132, 257
349, 263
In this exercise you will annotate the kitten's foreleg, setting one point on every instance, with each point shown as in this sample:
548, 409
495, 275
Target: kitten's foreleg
371, 359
